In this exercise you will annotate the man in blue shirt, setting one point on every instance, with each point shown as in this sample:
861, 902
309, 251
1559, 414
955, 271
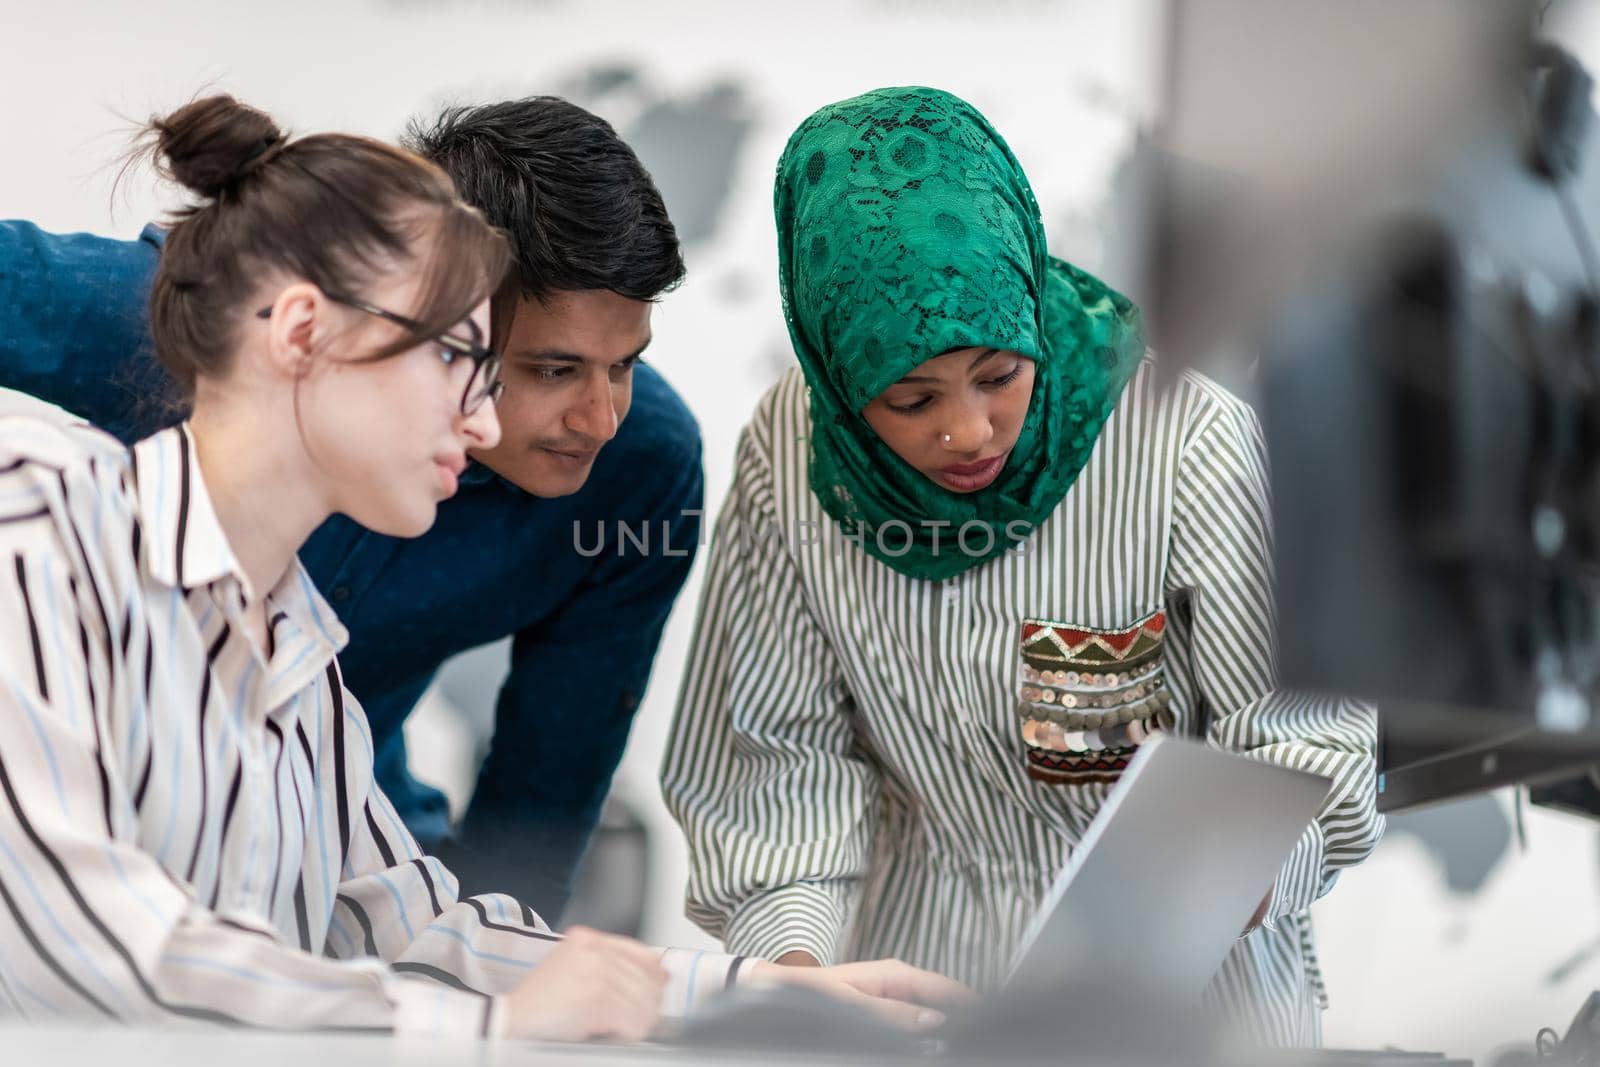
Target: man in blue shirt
591, 439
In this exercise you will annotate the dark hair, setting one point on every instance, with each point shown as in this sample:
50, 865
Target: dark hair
331, 208
579, 207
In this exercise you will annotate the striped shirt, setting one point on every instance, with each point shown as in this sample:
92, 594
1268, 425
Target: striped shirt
189, 831
870, 765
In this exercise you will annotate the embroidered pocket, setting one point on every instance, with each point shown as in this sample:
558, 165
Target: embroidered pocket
1089, 697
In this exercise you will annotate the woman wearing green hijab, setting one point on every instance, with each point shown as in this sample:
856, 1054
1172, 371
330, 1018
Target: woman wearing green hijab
971, 558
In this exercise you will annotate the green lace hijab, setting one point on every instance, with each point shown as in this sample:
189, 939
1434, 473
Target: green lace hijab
906, 229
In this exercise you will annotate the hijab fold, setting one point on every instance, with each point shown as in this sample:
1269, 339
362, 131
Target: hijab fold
906, 229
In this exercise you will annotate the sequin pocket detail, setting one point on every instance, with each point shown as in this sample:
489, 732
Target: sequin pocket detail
1089, 697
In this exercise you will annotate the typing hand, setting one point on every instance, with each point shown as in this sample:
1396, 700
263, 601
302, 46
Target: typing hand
592, 985
898, 992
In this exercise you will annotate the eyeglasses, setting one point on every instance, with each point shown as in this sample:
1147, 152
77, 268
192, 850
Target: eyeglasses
485, 383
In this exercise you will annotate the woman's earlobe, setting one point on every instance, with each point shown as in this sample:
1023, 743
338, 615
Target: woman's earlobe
293, 354
300, 336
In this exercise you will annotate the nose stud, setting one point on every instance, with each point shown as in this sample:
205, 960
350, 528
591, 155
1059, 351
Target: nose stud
946, 438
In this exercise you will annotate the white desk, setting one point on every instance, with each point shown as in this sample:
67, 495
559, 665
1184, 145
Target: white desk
61, 1045
66, 1046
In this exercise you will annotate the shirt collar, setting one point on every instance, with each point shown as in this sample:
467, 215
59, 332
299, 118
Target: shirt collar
184, 546
183, 542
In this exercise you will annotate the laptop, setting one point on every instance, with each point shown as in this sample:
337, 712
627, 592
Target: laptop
1172, 868
1136, 925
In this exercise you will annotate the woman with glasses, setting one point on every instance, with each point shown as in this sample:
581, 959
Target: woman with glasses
189, 828
972, 557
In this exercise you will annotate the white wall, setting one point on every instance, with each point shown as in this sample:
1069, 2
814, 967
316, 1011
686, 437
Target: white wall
1408, 962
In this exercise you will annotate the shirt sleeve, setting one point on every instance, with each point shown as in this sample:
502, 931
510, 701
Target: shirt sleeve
1222, 558
404, 907
762, 769
74, 326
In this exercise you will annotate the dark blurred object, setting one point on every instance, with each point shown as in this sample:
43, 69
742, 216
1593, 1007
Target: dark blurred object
1576, 796
1283, 126
1392, 195
1430, 769
1432, 408
1562, 114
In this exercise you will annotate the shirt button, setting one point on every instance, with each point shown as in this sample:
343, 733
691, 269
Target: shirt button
341, 593
951, 594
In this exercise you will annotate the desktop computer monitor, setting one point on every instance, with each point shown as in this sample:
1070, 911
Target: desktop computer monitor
1433, 421
1398, 197
1432, 413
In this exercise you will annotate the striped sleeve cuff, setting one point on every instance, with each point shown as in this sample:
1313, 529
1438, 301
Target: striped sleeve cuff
429, 1009
802, 916
696, 977
1300, 882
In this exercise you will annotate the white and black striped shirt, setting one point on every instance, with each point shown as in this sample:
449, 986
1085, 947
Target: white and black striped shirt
850, 760
188, 831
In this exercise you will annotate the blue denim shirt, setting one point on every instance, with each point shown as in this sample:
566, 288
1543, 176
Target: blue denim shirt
586, 615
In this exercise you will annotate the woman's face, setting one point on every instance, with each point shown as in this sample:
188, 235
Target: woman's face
389, 434
957, 416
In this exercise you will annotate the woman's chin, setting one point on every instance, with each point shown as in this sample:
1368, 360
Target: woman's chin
411, 519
